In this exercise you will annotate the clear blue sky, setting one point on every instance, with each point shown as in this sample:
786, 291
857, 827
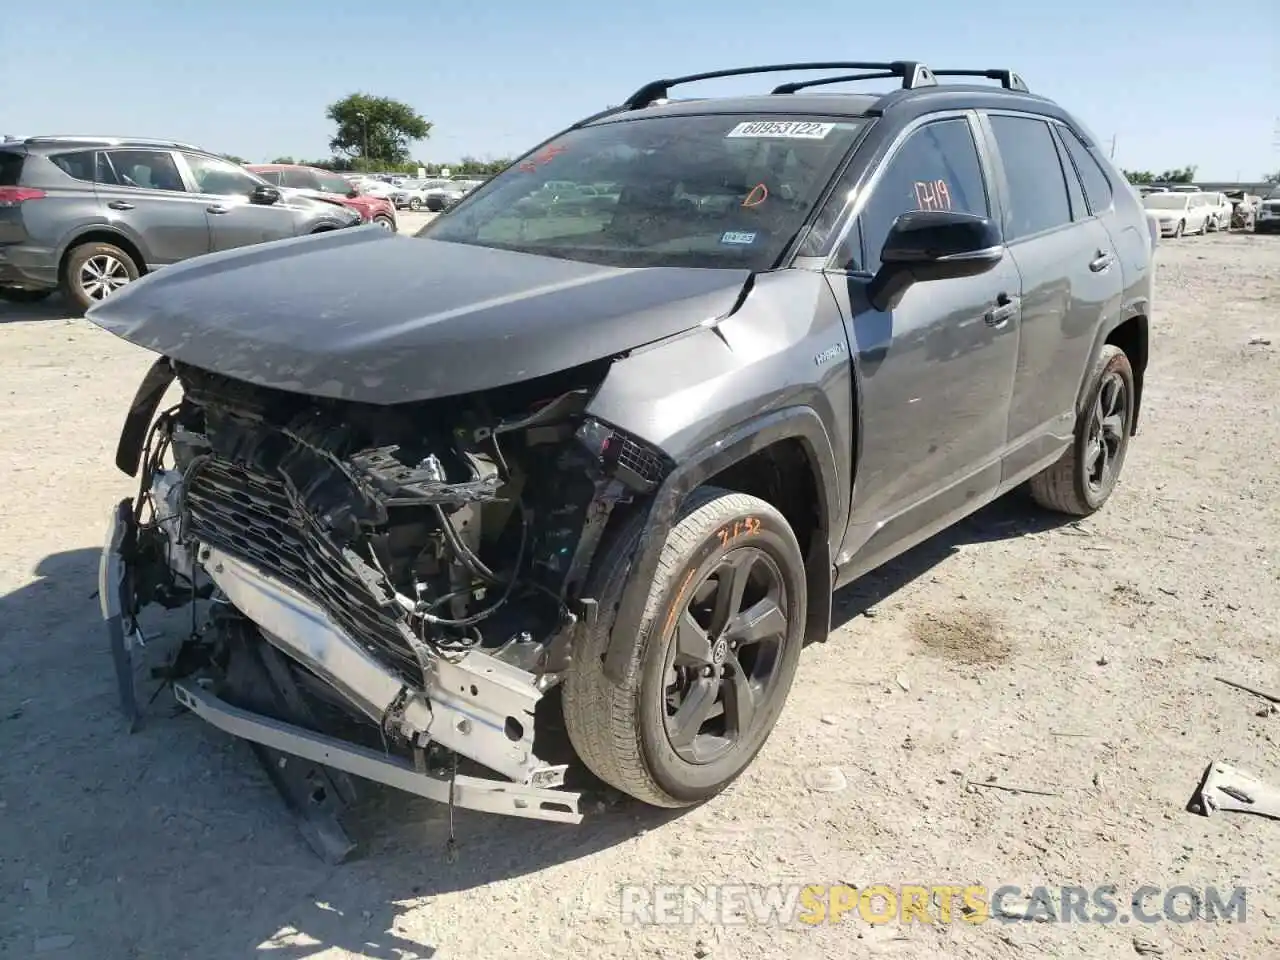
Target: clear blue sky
1176, 82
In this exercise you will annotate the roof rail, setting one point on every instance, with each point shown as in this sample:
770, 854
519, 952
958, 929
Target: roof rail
113, 141
825, 81
1008, 79
912, 74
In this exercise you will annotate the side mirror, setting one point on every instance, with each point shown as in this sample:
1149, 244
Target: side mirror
264, 195
928, 245
352, 193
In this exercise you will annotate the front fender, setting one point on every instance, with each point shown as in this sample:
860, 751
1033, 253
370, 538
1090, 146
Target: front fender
800, 423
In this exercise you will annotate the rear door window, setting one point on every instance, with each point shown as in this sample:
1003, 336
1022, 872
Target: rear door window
147, 169
1037, 199
298, 179
10, 168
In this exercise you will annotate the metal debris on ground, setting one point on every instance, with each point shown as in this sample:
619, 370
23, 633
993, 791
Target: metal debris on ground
991, 785
1264, 694
1226, 788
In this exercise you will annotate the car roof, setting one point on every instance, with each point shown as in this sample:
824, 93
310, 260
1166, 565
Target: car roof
63, 141
918, 92
286, 166
945, 96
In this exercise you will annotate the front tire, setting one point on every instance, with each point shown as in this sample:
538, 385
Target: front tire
385, 222
94, 271
711, 662
415, 204
1179, 229
1084, 477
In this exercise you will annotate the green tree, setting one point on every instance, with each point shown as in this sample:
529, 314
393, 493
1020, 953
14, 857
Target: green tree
376, 130
284, 160
233, 158
1181, 175
1272, 177
1138, 176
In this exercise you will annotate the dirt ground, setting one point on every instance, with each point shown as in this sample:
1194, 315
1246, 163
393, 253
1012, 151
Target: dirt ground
1076, 660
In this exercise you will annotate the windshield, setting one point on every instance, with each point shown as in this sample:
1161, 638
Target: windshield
1165, 201
694, 191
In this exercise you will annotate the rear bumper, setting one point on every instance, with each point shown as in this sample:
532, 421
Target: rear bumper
28, 267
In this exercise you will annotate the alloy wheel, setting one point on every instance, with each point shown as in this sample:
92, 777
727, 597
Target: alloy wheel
1108, 434
724, 657
102, 275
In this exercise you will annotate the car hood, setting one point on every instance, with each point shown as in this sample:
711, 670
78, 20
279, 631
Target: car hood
365, 315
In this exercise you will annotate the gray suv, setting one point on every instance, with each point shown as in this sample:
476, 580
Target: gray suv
616, 426
90, 214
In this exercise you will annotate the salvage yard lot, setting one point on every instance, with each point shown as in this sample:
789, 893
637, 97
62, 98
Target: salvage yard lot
1076, 660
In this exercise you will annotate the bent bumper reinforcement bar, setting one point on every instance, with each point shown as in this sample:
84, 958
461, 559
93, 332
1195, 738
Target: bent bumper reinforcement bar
475, 705
489, 796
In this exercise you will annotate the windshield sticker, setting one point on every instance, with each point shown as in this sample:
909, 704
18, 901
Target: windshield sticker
544, 156
758, 195
784, 129
738, 238
932, 195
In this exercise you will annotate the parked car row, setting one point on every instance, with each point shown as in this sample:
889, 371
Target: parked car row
87, 215
1182, 211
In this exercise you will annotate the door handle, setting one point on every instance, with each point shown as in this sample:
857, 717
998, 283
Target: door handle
120, 205
217, 208
1006, 309
1101, 262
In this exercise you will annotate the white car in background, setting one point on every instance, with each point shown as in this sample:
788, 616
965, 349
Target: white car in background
1176, 212
1222, 206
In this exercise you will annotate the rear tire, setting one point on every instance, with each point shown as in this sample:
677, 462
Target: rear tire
93, 271
1086, 474
415, 204
17, 295
646, 735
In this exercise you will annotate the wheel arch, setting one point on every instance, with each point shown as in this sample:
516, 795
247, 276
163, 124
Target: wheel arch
785, 452
1131, 334
101, 234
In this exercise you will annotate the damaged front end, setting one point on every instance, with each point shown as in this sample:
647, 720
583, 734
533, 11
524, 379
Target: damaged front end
389, 591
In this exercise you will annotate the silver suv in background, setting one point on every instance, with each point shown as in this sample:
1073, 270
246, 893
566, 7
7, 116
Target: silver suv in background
87, 215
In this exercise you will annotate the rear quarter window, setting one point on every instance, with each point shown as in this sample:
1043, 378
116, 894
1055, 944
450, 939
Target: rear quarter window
10, 168
78, 165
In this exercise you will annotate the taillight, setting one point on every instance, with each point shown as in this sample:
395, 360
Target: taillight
12, 196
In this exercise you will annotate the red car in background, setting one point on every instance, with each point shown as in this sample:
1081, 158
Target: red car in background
328, 185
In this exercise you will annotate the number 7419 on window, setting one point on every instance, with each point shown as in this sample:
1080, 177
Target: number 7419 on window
932, 195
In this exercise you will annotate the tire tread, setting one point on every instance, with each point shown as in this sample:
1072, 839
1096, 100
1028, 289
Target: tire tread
601, 717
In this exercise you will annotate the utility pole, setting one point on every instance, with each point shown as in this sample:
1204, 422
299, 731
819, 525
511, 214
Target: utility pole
1113, 146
